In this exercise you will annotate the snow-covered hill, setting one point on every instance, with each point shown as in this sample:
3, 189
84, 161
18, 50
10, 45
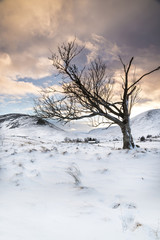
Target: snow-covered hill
28, 126
144, 124
15, 120
147, 123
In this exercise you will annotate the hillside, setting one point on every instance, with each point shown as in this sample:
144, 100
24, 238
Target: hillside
15, 120
147, 123
28, 126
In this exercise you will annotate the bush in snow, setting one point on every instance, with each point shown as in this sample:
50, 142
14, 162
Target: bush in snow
41, 122
67, 139
78, 140
142, 139
149, 136
89, 139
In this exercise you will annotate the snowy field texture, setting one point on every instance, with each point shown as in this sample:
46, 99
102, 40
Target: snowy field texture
52, 189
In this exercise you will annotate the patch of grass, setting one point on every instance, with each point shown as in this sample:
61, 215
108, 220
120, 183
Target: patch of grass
74, 172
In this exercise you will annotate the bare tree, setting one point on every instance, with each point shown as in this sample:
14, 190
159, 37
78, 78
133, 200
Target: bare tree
87, 92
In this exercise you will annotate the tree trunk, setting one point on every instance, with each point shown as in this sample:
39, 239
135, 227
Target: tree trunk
128, 142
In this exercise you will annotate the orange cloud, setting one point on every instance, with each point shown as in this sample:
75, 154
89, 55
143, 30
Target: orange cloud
11, 87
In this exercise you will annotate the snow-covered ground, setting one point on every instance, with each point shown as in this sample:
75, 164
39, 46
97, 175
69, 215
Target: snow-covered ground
57, 190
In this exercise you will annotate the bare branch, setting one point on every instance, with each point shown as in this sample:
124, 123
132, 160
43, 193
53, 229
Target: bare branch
133, 89
129, 65
124, 66
156, 69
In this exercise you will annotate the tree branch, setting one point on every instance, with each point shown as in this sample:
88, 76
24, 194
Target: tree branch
156, 69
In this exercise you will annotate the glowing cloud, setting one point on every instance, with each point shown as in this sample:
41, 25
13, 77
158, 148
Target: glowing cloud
107, 28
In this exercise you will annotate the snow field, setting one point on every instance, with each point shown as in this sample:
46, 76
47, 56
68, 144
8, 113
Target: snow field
56, 190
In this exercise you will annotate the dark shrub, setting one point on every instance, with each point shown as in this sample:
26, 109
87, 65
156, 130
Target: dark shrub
149, 136
41, 122
89, 139
67, 139
142, 139
78, 140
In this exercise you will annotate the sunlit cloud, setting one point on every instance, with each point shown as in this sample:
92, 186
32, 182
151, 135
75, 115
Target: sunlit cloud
11, 87
32, 30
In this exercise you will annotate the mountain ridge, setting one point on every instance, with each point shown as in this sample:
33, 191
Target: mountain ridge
18, 120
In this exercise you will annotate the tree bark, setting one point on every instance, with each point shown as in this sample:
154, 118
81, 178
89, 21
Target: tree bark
128, 142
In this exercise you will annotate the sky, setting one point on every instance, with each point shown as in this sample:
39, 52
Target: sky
31, 29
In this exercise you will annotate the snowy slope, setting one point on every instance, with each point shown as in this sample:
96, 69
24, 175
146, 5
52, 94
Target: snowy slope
147, 123
15, 120
28, 126
51, 189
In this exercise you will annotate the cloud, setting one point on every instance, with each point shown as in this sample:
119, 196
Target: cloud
98, 46
29, 29
11, 87
5, 59
9, 74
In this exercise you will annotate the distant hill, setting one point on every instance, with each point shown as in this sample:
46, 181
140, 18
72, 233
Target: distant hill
146, 123
15, 120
